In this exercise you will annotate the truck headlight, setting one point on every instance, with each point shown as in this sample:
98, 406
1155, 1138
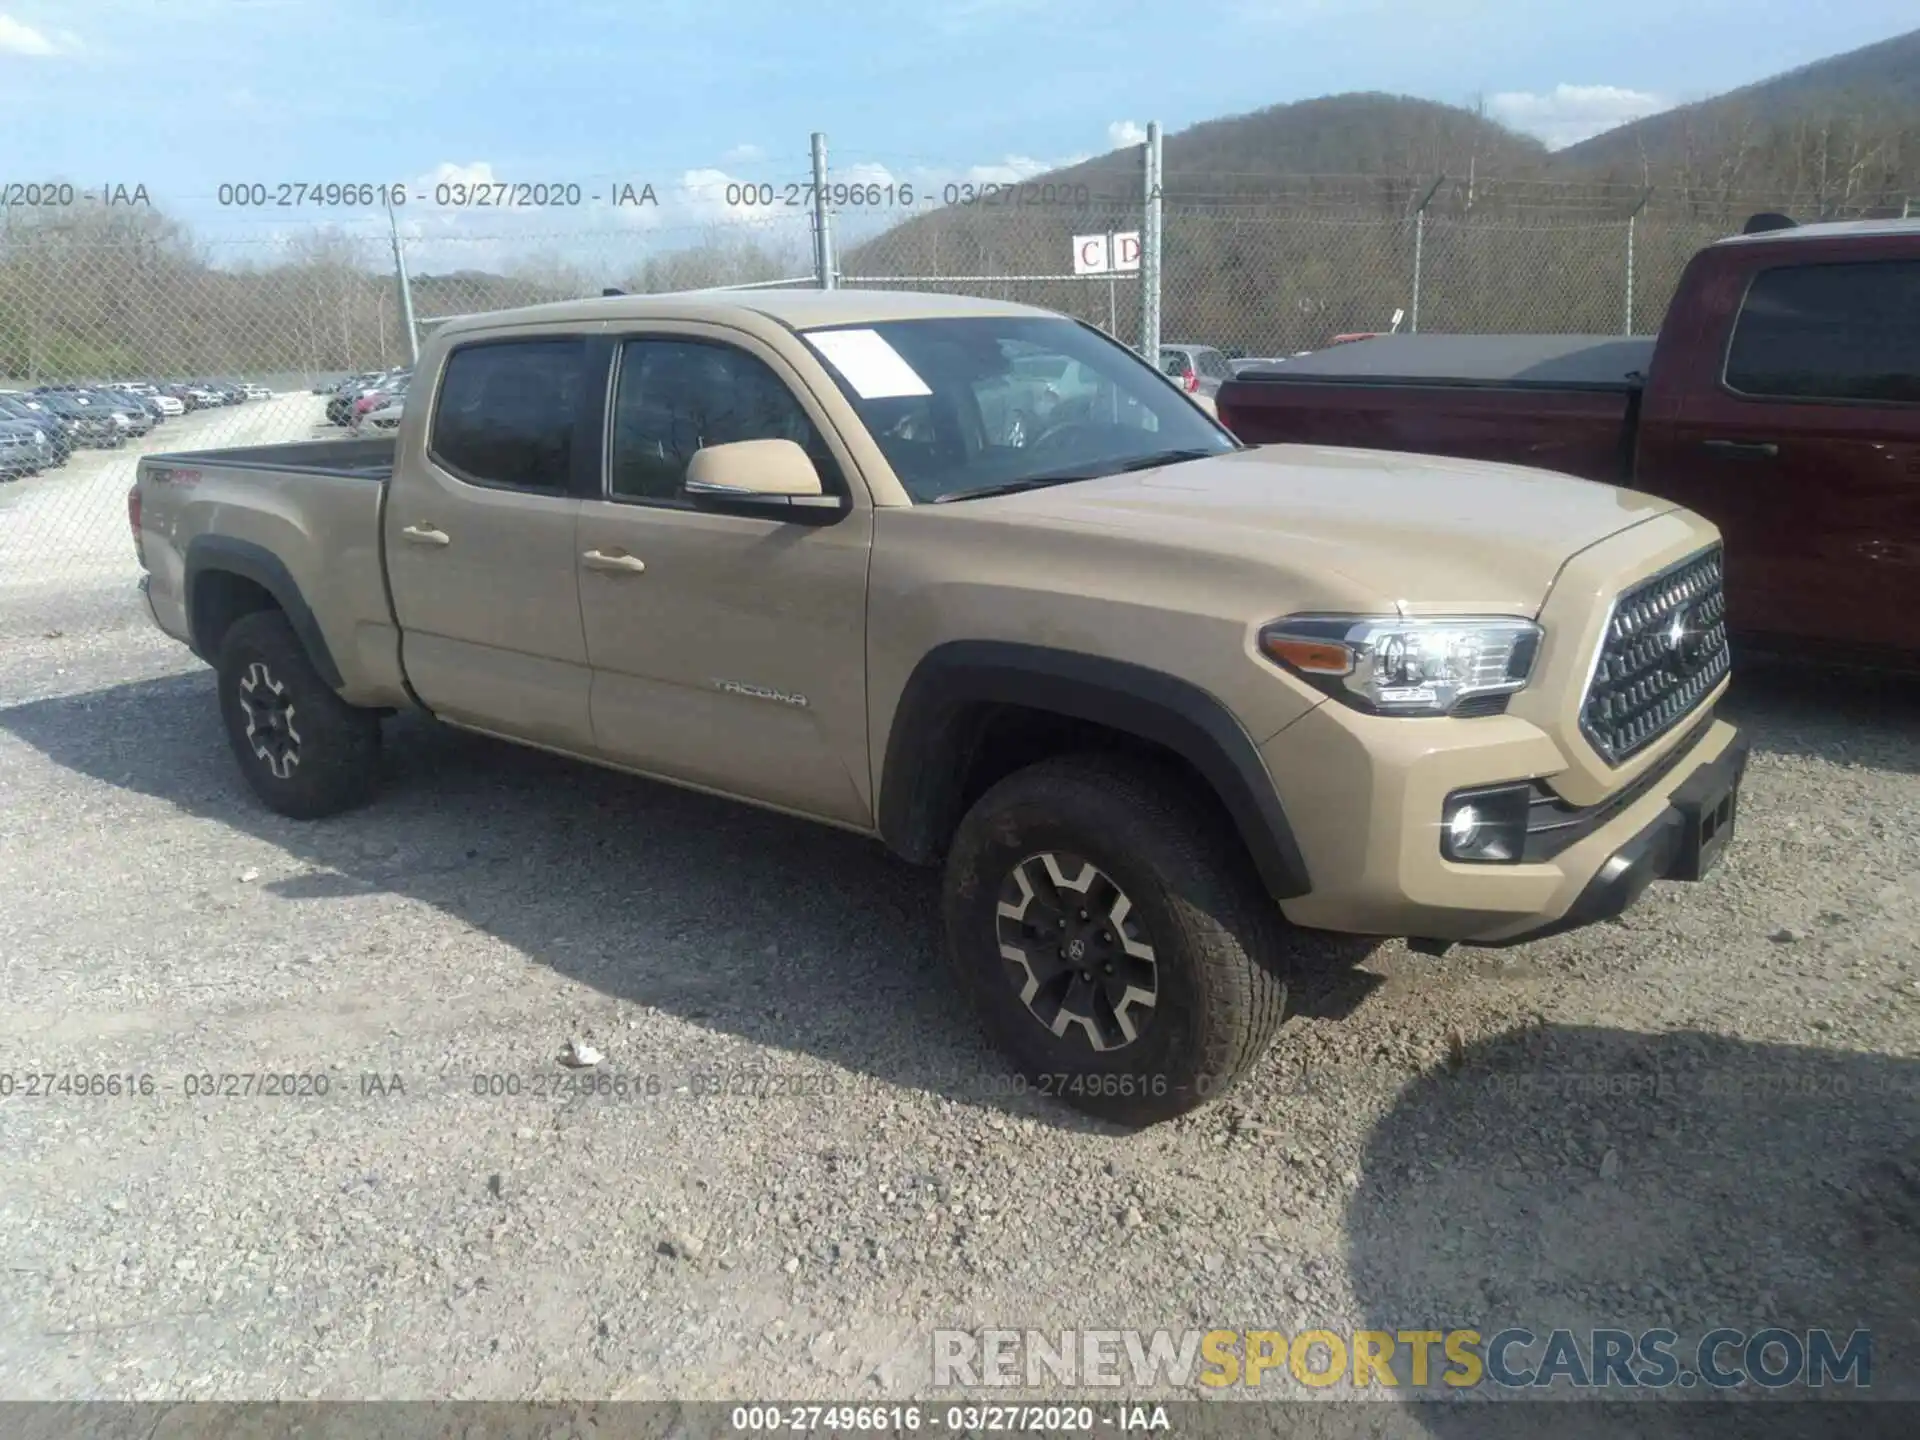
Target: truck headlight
1387, 665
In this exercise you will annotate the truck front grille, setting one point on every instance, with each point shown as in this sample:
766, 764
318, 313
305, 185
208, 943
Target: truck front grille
1664, 651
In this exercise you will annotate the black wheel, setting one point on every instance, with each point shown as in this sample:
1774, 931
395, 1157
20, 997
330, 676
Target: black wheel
1114, 938
304, 750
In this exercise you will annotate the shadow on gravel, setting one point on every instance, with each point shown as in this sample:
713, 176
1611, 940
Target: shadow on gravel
1563, 1177
1847, 717
787, 934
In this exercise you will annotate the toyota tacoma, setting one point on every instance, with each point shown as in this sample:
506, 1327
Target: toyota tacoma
1155, 700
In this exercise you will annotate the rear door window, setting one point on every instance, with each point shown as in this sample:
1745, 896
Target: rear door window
507, 413
1843, 332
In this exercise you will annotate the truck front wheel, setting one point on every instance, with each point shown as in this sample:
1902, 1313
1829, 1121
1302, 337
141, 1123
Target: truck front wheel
304, 750
1113, 937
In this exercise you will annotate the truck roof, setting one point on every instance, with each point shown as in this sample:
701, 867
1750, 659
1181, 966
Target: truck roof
1827, 230
1559, 362
801, 309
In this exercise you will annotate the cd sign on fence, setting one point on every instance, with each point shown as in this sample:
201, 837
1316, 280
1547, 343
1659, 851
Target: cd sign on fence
1092, 254
1104, 254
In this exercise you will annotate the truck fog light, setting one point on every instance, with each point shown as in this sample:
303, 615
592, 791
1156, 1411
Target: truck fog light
1463, 829
1486, 826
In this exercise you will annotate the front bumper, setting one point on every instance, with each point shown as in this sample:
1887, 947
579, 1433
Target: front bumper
1365, 794
1682, 842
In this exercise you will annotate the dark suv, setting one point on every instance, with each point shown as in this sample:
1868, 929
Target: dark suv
27, 411
86, 424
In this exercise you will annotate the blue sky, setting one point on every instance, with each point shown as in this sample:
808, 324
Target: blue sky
689, 95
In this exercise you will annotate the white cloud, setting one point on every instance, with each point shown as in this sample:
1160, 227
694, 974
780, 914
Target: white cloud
1017, 167
18, 38
1122, 133
1568, 114
743, 155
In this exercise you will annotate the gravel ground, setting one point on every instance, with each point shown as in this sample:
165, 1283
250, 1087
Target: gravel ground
1706, 1115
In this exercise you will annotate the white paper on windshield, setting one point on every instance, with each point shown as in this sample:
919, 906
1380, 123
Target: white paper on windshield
873, 367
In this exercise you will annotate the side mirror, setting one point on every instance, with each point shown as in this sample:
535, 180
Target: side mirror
773, 478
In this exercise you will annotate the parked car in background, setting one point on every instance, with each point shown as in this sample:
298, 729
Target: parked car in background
340, 397
123, 412
86, 424
1151, 698
28, 411
163, 405
148, 403
1781, 399
1197, 369
256, 392
385, 413
340, 409
168, 405
130, 408
23, 449
368, 402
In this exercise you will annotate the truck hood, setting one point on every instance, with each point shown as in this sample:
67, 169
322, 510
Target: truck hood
1424, 533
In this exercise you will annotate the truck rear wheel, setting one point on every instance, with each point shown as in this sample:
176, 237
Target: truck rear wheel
1113, 938
304, 750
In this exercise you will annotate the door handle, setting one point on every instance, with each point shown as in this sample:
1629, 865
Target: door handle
602, 560
1755, 449
426, 535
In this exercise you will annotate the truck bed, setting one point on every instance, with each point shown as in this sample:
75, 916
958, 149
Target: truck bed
350, 459
1558, 402
301, 521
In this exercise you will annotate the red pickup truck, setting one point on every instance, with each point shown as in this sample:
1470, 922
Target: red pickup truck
1781, 400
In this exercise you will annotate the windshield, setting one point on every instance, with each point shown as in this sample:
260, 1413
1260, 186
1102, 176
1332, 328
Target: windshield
988, 403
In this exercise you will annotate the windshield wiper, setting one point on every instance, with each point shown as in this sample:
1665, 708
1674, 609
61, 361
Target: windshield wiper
1006, 487
1062, 477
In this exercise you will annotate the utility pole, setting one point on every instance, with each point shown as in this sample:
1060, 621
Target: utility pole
406, 290
823, 266
1150, 248
1633, 220
1419, 250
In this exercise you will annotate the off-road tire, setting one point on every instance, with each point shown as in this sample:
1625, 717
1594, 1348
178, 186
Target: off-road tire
335, 752
1216, 937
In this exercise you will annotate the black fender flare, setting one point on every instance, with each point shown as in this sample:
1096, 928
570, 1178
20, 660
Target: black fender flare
920, 775
217, 553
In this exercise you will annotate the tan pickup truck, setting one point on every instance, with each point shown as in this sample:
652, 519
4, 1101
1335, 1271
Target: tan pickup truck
973, 579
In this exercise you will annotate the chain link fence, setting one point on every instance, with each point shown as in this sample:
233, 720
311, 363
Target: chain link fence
248, 334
